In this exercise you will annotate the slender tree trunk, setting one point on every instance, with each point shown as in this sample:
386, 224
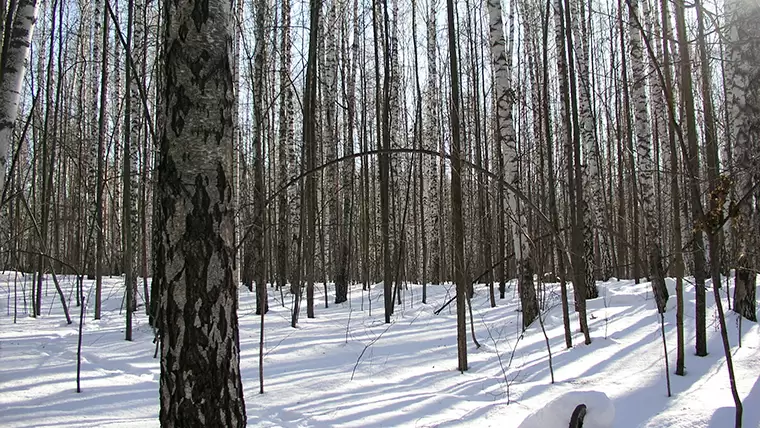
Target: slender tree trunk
575, 185
566, 135
504, 95
561, 272
100, 206
383, 141
431, 197
644, 157
678, 264
309, 199
285, 142
421, 177
710, 140
131, 124
259, 134
456, 196
589, 178
344, 261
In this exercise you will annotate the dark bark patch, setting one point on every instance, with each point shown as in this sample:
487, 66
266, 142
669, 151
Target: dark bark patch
200, 13
183, 30
221, 183
180, 108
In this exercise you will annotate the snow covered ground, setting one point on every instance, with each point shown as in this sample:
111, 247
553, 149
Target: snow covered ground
347, 368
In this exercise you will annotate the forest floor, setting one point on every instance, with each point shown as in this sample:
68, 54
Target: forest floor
346, 367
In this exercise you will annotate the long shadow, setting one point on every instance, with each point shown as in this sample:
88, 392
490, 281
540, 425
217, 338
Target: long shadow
538, 369
65, 406
628, 407
725, 416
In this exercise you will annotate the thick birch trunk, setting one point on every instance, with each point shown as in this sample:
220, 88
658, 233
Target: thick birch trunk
744, 99
12, 76
200, 357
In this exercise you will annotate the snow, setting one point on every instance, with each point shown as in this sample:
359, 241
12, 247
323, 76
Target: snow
600, 411
347, 368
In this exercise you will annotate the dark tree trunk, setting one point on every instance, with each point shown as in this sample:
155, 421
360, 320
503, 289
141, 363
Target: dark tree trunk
456, 197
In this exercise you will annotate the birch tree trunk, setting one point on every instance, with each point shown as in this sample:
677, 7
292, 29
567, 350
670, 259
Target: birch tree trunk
744, 98
692, 176
431, 196
711, 145
350, 61
592, 208
644, 157
12, 76
573, 171
200, 357
330, 143
131, 127
285, 144
100, 180
504, 95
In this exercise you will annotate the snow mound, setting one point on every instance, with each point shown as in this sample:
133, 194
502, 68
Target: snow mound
600, 412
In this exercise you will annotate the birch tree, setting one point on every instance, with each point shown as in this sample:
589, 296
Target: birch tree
15, 59
200, 356
350, 61
504, 95
285, 143
644, 157
592, 208
100, 180
330, 142
744, 99
432, 222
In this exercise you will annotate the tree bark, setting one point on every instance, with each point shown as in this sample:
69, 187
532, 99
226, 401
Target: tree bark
200, 357
644, 157
431, 196
504, 95
12, 76
744, 99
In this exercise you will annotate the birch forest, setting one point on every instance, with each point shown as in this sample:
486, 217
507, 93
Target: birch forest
493, 146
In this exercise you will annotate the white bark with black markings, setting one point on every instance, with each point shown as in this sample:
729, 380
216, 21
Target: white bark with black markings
504, 101
744, 99
12, 76
644, 157
200, 357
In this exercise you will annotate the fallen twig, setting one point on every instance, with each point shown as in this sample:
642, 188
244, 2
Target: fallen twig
367, 347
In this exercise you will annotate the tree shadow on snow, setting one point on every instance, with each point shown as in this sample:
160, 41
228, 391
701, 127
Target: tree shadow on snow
725, 416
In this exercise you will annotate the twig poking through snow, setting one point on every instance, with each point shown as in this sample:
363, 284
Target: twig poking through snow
367, 347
